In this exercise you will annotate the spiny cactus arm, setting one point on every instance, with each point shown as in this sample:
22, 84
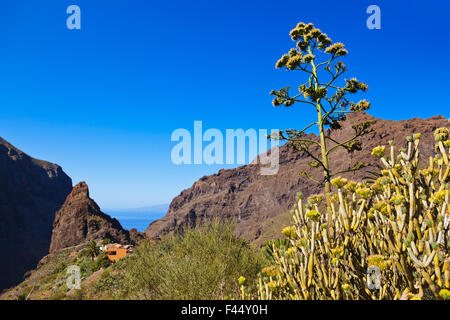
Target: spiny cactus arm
414, 258
407, 270
446, 270
428, 259
437, 270
443, 151
430, 282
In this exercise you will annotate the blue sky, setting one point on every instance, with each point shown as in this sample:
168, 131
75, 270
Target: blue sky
103, 101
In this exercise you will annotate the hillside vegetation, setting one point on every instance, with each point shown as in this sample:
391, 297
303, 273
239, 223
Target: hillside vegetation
198, 263
49, 280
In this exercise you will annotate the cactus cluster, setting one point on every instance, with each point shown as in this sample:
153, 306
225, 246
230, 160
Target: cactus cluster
389, 238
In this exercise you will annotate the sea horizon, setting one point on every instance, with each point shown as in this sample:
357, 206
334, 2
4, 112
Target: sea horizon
137, 218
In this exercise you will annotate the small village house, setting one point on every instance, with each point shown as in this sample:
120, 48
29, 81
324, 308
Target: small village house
116, 251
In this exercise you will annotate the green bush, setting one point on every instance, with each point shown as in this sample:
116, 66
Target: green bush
60, 268
87, 267
111, 283
200, 263
78, 294
83, 253
21, 297
102, 262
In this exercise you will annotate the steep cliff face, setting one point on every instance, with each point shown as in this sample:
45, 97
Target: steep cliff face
80, 220
251, 199
31, 191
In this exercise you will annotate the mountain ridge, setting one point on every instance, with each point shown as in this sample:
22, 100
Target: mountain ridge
80, 219
31, 191
250, 199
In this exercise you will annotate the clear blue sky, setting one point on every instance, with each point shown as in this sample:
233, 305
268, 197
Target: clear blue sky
103, 101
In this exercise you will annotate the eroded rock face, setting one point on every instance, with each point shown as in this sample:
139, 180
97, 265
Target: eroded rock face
31, 191
80, 219
249, 198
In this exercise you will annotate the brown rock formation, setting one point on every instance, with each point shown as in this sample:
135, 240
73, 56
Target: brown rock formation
250, 199
136, 236
80, 220
31, 191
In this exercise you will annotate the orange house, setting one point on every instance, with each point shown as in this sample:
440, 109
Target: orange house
115, 254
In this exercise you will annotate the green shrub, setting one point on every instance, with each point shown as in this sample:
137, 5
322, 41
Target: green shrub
83, 253
87, 267
61, 267
110, 283
25, 292
78, 294
102, 262
200, 263
22, 296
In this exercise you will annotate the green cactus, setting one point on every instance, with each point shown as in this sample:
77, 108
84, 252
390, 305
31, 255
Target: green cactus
397, 224
282, 245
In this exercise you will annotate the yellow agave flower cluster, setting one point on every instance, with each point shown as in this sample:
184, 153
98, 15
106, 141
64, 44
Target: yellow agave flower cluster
397, 225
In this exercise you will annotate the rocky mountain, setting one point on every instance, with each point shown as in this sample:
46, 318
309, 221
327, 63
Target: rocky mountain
80, 219
31, 191
252, 200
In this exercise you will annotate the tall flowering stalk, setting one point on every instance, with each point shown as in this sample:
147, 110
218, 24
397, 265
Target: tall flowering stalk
319, 58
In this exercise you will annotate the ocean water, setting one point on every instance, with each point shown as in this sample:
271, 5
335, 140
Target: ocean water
138, 220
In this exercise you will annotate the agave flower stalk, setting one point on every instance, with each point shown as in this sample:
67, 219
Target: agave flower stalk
320, 59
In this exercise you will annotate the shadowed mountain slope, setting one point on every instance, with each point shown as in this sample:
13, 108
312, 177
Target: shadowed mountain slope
252, 200
31, 191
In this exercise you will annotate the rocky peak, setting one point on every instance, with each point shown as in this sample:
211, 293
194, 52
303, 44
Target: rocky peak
80, 219
79, 192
